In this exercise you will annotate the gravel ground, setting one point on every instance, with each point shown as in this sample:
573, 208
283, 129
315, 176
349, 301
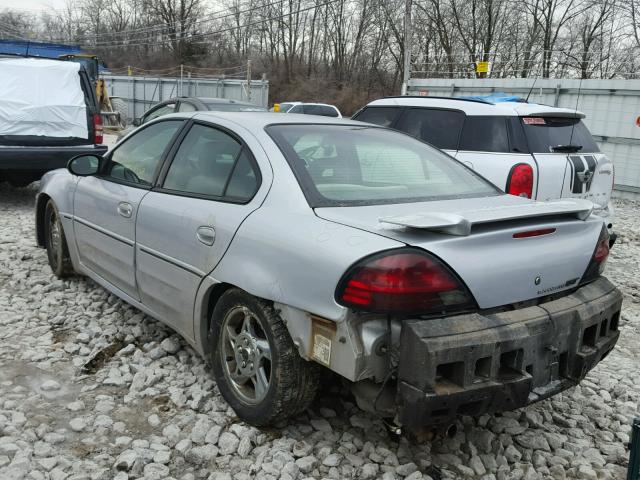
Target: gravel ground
90, 388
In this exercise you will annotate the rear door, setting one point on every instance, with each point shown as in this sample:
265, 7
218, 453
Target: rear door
492, 145
569, 161
185, 225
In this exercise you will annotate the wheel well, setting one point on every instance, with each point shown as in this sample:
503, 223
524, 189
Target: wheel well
41, 206
214, 295
205, 325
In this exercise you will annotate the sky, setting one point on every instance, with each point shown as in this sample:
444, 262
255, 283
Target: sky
34, 6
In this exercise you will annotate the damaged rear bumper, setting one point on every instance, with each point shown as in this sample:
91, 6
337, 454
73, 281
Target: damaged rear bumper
473, 364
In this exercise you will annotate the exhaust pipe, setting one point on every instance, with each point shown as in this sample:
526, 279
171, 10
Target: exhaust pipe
449, 431
430, 433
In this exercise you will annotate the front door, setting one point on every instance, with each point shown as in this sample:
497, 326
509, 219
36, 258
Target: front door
186, 224
106, 206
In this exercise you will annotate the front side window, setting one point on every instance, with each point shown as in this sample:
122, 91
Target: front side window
383, 116
343, 165
211, 162
164, 110
296, 109
440, 128
558, 134
484, 134
137, 158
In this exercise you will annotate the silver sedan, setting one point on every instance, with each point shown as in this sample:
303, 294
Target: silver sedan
279, 245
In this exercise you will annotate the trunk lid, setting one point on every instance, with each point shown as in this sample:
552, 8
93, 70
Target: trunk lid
570, 164
475, 238
587, 176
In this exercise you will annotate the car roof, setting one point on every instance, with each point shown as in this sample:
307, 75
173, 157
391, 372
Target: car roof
478, 107
259, 120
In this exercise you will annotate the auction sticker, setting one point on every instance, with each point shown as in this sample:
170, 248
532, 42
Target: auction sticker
322, 349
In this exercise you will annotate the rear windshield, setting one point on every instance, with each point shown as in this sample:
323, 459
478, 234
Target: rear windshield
343, 165
323, 110
545, 134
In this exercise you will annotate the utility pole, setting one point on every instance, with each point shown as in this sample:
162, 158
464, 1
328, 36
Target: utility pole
249, 80
406, 73
181, 75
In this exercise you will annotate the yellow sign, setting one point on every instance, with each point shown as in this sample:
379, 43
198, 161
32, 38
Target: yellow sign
482, 67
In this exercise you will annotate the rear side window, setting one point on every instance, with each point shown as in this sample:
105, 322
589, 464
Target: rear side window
384, 116
323, 110
210, 162
544, 134
485, 134
440, 128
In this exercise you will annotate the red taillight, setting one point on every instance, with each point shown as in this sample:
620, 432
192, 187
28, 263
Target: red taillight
97, 128
402, 282
520, 181
599, 257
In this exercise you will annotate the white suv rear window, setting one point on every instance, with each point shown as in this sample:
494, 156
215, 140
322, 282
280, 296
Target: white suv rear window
546, 134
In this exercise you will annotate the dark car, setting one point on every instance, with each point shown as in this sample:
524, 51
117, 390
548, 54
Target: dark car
49, 113
193, 104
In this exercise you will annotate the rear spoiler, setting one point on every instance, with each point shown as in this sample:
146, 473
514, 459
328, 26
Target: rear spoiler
460, 223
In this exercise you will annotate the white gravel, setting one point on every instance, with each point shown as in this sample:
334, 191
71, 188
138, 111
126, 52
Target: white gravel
149, 408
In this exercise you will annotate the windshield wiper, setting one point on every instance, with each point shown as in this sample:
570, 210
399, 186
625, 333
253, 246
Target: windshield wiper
566, 148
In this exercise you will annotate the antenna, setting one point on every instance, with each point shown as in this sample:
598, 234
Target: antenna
573, 126
532, 85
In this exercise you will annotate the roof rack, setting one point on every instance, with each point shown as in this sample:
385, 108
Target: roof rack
474, 100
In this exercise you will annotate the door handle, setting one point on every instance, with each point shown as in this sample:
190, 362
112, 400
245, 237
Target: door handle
206, 235
125, 209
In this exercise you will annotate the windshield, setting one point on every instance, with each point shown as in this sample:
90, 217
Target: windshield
234, 107
342, 165
546, 134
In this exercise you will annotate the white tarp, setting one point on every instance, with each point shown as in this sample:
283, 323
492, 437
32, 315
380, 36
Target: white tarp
41, 97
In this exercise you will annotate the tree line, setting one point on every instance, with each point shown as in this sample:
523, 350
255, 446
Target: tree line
350, 49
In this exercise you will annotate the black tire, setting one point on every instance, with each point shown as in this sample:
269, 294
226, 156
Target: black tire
293, 382
56, 243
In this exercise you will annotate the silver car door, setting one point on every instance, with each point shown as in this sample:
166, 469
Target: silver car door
185, 226
106, 206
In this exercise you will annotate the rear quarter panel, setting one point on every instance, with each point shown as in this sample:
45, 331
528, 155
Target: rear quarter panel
495, 166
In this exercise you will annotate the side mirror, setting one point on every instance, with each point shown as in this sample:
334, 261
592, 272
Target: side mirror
137, 122
85, 165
